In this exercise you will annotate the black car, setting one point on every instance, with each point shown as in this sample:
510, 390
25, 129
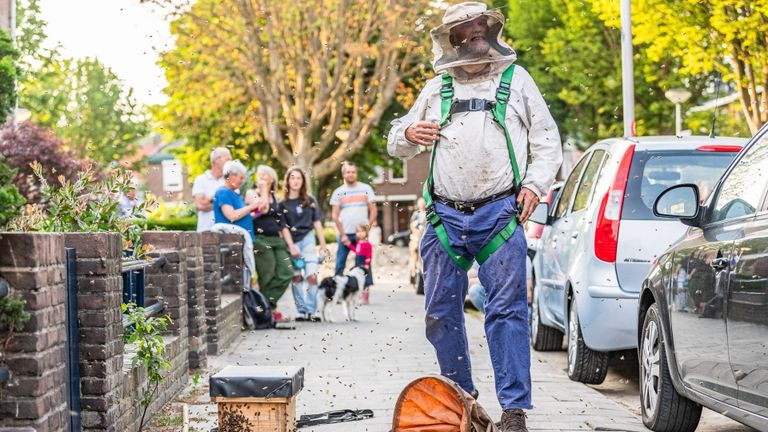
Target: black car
703, 309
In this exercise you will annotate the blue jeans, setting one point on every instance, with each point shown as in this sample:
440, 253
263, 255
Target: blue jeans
306, 302
476, 296
341, 260
503, 276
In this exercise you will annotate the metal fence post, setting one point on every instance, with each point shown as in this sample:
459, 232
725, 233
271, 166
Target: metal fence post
73, 342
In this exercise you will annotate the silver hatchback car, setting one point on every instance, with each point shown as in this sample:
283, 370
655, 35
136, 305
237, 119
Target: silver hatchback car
602, 236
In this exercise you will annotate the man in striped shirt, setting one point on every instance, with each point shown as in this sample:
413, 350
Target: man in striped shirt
353, 204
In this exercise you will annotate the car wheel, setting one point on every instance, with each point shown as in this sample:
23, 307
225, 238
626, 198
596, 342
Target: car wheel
663, 408
543, 338
584, 364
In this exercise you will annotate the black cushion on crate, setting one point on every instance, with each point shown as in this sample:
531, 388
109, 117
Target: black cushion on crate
257, 381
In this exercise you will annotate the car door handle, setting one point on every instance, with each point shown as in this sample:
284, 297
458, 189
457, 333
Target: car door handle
719, 264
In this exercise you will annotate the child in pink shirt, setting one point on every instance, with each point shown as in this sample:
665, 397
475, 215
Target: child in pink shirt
364, 251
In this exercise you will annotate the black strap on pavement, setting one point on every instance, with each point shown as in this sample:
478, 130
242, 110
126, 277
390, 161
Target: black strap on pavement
338, 416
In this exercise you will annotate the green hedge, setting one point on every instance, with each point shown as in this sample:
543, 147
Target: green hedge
186, 223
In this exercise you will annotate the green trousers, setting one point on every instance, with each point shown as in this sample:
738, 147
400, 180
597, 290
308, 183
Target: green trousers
273, 267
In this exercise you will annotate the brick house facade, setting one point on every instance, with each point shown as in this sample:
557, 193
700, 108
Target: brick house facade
396, 193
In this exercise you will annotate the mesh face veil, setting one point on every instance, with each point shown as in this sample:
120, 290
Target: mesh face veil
464, 19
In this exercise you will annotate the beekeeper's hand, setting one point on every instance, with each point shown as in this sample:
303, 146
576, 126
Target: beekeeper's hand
423, 133
528, 200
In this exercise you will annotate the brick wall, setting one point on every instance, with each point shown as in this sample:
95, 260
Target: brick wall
35, 396
198, 335
99, 297
222, 309
135, 380
233, 263
189, 284
212, 284
230, 319
169, 282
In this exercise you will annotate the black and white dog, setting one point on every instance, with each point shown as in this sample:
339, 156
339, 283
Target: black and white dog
343, 290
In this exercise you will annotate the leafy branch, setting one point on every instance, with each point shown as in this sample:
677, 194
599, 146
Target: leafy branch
12, 317
146, 333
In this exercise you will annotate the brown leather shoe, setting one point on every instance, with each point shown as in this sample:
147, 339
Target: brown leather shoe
513, 420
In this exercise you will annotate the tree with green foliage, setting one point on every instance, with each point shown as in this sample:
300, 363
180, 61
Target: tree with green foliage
83, 101
575, 58
11, 201
295, 83
30, 35
707, 36
87, 105
8, 57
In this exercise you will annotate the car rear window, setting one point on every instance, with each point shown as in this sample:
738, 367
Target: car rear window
652, 172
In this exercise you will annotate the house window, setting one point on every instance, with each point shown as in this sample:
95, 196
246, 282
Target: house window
398, 172
172, 176
379, 179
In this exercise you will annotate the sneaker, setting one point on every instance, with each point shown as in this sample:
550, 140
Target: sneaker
513, 420
365, 299
302, 317
315, 318
279, 317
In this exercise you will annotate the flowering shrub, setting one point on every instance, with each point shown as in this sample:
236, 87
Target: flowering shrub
86, 204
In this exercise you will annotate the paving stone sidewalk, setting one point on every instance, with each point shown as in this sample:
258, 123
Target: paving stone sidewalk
367, 363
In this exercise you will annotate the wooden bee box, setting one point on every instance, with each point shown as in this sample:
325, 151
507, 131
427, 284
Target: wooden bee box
256, 414
257, 399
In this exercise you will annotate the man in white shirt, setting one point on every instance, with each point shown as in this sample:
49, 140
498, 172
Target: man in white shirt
352, 205
205, 187
480, 117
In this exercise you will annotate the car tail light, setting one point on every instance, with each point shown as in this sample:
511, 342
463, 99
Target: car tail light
609, 216
720, 148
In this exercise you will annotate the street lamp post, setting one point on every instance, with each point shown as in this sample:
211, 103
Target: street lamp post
627, 68
677, 97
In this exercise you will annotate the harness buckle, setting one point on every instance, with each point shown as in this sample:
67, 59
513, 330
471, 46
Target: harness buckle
432, 216
476, 104
463, 207
446, 91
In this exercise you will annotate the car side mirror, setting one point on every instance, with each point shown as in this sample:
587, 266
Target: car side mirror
680, 202
540, 214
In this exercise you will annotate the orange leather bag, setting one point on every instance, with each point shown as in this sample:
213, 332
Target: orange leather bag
437, 404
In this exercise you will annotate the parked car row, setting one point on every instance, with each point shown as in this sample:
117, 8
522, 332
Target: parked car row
661, 244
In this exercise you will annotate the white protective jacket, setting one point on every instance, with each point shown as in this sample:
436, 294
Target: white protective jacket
472, 160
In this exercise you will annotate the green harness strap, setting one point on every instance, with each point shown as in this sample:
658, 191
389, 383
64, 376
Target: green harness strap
499, 112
